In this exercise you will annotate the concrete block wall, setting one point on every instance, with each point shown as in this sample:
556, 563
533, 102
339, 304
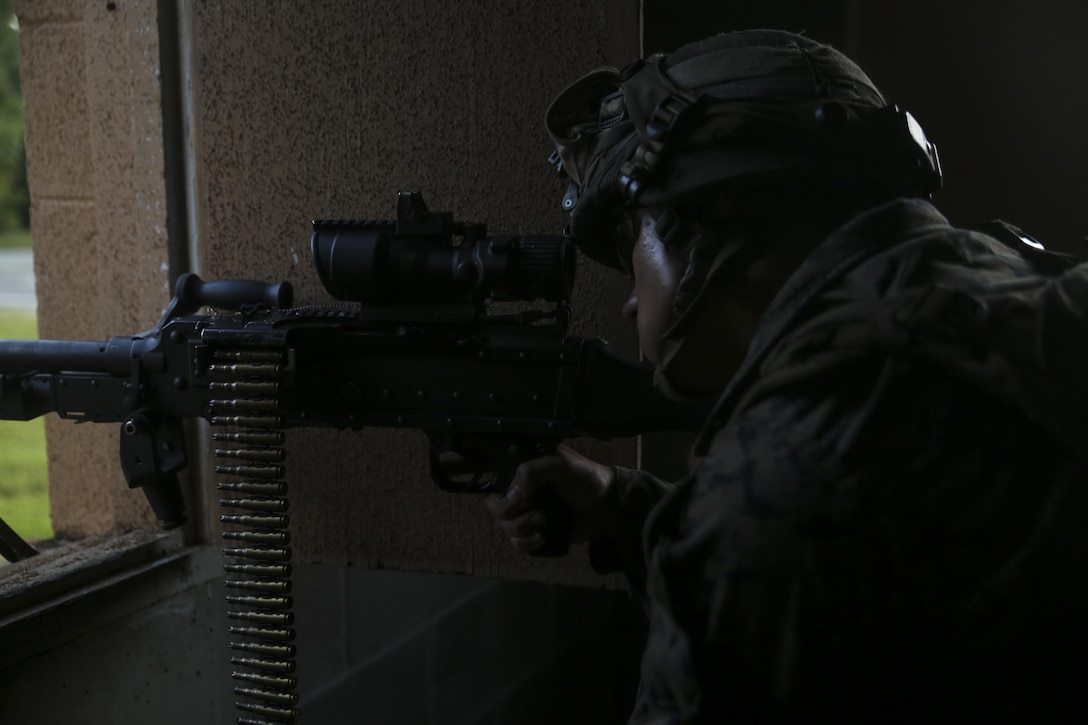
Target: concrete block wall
381, 648
94, 165
386, 647
164, 663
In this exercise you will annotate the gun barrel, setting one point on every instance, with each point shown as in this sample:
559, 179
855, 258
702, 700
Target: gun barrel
24, 356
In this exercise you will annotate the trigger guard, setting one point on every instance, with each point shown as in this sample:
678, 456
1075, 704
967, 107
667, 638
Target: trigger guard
444, 482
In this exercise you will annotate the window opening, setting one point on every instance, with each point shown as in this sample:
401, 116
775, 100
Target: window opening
24, 482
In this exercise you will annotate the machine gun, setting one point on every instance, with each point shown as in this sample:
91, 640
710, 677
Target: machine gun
423, 348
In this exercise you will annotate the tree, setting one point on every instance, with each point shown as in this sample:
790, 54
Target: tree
14, 197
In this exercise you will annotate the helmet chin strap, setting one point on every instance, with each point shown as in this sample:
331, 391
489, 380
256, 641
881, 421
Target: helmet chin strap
696, 359
697, 366
684, 242
665, 383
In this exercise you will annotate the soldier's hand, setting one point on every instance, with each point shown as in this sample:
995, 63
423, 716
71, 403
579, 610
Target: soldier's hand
579, 482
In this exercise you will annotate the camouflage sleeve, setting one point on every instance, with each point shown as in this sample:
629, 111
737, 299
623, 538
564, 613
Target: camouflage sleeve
756, 550
629, 502
724, 554
852, 547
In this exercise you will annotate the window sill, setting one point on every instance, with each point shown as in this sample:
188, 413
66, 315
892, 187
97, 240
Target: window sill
77, 587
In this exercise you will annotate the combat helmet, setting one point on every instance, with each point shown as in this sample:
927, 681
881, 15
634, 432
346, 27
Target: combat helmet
735, 111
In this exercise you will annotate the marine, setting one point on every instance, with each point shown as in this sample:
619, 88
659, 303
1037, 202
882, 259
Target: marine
885, 514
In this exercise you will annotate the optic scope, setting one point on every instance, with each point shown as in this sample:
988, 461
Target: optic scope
425, 257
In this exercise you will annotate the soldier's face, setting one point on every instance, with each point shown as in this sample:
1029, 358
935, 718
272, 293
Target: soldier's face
657, 274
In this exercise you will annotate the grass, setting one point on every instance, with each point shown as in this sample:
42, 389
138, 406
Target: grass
24, 484
15, 239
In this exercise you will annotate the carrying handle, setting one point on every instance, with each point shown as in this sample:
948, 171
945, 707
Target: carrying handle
191, 293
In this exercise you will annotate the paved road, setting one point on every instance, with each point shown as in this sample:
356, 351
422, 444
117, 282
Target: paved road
17, 280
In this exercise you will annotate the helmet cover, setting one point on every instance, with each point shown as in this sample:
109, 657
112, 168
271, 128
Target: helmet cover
733, 111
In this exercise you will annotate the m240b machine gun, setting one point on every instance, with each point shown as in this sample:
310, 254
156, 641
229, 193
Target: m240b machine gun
424, 348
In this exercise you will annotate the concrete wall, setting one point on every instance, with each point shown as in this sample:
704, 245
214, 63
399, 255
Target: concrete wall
95, 168
387, 648
329, 115
383, 648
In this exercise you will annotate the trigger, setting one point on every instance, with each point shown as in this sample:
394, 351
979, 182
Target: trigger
457, 473
459, 468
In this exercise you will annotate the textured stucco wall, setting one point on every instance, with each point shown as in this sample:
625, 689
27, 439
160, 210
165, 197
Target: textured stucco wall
328, 112
298, 112
94, 165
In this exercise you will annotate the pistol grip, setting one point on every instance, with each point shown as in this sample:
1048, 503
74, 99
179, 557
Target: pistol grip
487, 464
557, 533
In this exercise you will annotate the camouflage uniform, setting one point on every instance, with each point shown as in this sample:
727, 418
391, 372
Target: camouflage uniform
867, 537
